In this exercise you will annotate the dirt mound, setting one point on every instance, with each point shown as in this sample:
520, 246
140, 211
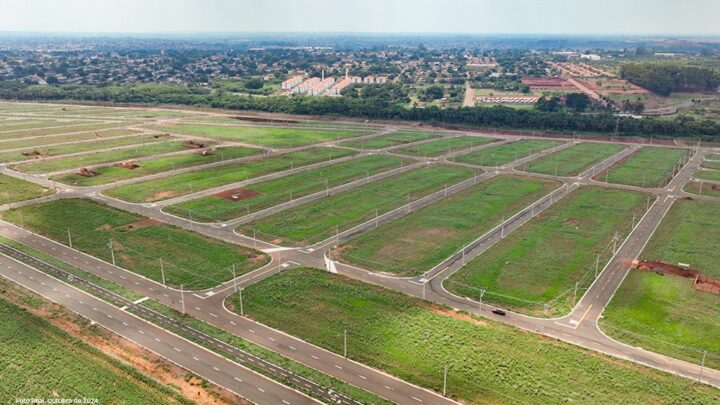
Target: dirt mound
128, 165
194, 145
716, 187
33, 153
87, 173
237, 194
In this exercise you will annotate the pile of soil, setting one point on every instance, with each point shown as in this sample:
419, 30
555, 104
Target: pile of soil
128, 165
194, 145
87, 173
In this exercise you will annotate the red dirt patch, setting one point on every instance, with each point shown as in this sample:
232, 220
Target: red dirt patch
33, 153
161, 195
701, 282
716, 187
87, 173
128, 165
237, 194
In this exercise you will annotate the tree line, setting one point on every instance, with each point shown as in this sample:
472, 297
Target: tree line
664, 78
370, 107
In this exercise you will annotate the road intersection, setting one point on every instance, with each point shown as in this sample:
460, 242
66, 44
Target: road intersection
579, 327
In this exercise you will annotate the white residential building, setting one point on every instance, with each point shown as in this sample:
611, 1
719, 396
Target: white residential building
292, 82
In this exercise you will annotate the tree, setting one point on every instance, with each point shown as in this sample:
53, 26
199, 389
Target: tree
577, 101
434, 92
52, 80
551, 104
254, 83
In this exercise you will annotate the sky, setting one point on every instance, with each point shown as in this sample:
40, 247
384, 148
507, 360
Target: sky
684, 17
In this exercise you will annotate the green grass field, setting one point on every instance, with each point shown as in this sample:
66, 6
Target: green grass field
23, 124
316, 221
391, 139
46, 142
62, 130
181, 184
258, 135
273, 192
488, 363
665, 315
58, 150
502, 154
542, 260
573, 160
689, 233
711, 164
39, 360
417, 242
709, 189
139, 243
156, 165
712, 175
648, 167
73, 162
443, 146
14, 190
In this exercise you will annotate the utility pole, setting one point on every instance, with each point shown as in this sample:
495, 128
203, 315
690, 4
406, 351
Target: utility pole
69, 238
182, 298
345, 343
162, 272
112, 252
597, 265
482, 293
702, 365
337, 235
445, 380
615, 239
254, 240
234, 277
577, 283
242, 313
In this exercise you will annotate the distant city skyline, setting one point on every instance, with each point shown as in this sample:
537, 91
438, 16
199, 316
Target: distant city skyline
577, 17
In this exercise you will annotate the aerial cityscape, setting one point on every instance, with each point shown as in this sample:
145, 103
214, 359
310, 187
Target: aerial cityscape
410, 202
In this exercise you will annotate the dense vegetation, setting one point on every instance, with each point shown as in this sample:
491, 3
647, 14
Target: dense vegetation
667, 78
374, 107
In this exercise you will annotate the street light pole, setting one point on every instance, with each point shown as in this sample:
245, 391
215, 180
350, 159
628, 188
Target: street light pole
112, 252
242, 313
345, 343
234, 277
702, 365
182, 298
445, 380
162, 272
69, 238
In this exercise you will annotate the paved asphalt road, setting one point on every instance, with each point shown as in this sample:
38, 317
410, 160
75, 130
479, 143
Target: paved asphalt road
215, 368
579, 327
211, 310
